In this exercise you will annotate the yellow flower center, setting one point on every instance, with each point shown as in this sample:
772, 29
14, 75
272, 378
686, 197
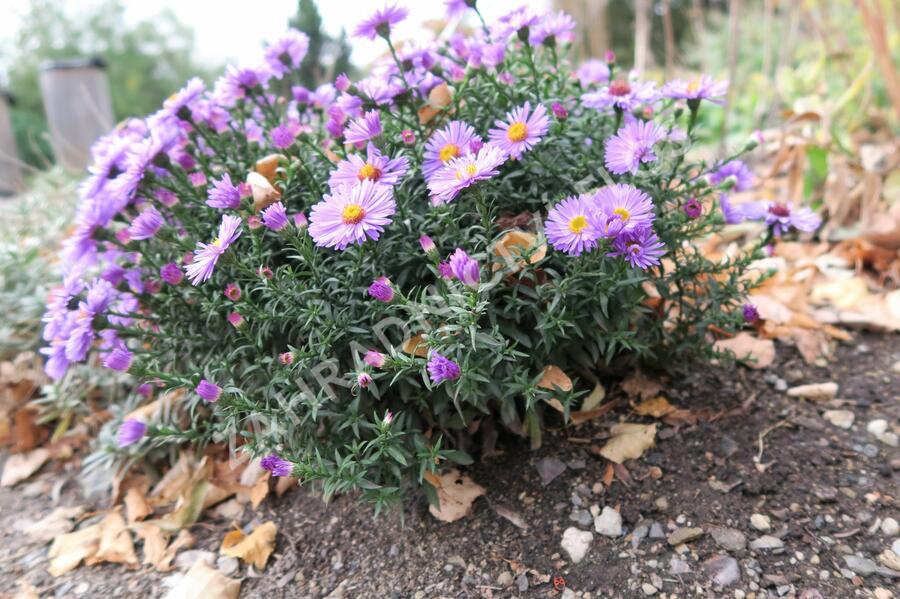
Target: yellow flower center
622, 213
578, 224
449, 151
517, 132
217, 242
693, 86
352, 214
468, 171
372, 173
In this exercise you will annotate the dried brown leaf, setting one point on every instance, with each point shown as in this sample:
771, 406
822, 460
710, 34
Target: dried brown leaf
638, 385
56, 523
115, 544
254, 548
205, 582
655, 407
20, 466
628, 441
758, 353
456, 493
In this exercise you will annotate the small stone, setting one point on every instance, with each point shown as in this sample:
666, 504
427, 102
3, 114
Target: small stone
825, 494
761, 522
890, 438
522, 582
609, 522
883, 593
890, 527
457, 560
661, 503
896, 367
722, 569
840, 418
656, 531
684, 535
582, 517
227, 565
506, 578
81, 588
729, 539
895, 546
810, 594
877, 427
576, 543
186, 559
890, 559
649, 589
549, 468
678, 566
766, 542
861, 565
567, 594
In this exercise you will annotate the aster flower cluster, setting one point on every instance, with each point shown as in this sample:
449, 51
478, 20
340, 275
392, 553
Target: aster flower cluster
374, 267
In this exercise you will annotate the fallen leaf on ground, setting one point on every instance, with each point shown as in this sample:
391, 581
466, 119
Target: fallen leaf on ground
456, 494
156, 553
815, 391
284, 484
204, 582
639, 385
511, 515
26, 591
136, 506
655, 407
510, 248
554, 379
254, 548
594, 398
438, 98
115, 542
759, 353
628, 441
58, 522
68, 550
416, 346
20, 466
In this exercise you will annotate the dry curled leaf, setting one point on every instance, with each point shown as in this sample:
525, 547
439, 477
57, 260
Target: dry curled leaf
628, 441
20, 466
58, 522
456, 493
815, 391
69, 550
638, 385
416, 346
156, 551
136, 505
205, 582
512, 246
267, 166
438, 98
254, 548
264, 193
758, 353
115, 543
655, 407
594, 398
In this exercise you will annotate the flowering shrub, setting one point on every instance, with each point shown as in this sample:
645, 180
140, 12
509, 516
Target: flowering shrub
352, 280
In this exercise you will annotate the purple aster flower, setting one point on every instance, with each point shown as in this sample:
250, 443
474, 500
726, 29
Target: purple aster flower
627, 203
553, 28
381, 289
376, 167
631, 146
571, 226
521, 131
442, 369
282, 137
180, 103
286, 358
559, 111
623, 95
733, 214
171, 273
287, 52
751, 314
640, 247
275, 217
448, 143
208, 391
80, 338
735, 170
232, 292
446, 183
381, 22
277, 465
118, 359
363, 379
206, 255
457, 8
351, 214
782, 217
693, 208
130, 431
235, 319
197, 179
464, 268
703, 88
592, 72
364, 128
146, 224
238, 83
408, 137
374, 359
224, 194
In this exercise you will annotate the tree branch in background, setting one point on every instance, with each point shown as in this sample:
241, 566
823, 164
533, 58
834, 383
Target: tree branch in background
734, 12
669, 38
641, 35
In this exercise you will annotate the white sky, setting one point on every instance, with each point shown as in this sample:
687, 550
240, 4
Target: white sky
233, 32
